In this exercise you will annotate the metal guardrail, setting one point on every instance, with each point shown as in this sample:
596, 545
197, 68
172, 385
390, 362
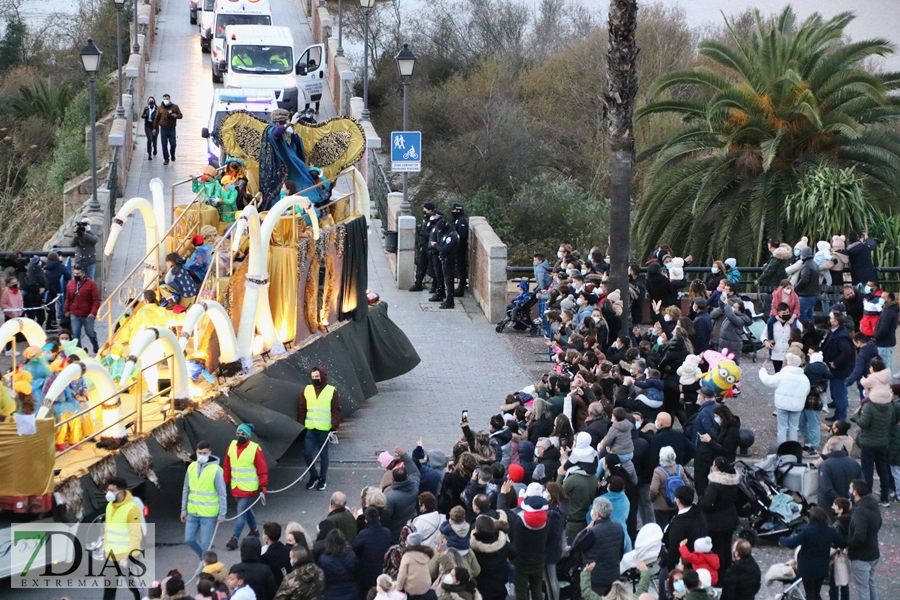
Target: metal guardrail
112, 183
379, 188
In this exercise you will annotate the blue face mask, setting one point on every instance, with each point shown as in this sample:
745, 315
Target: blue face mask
715, 269
678, 586
867, 290
282, 194
717, 420
670, 266
796, 252
536, 455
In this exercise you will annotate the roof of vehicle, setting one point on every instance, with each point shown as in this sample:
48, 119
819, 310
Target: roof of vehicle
256, 97
259, 35
239, 6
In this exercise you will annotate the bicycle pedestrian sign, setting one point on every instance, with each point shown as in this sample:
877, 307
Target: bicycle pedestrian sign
406, 151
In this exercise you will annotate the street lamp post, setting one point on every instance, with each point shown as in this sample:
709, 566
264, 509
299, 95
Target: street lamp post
406, 64
136, 47
340, 48
120, 4
367, 6
90, 58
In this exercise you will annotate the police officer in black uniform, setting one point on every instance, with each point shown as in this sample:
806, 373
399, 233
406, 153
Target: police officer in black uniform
461, 224
438, 291
423, 259
447, 245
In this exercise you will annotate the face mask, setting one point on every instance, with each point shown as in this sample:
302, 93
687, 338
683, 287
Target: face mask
448, 579
202, 458
678, 586
559, 254
110, 496
584, 272
78, 277
241, 440
670, 266
637, 424
667, 318
715, 270
596, 319
167, 103
867, 290
796, 252
784, 317
786, 292
317, 382
717, 420
536, 453
48, 357
282, 193
660, 340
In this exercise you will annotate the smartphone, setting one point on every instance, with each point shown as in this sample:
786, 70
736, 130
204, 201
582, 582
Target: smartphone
465, 416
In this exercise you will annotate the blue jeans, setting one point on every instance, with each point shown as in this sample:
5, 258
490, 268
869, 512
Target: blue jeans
887, 354
167, 137
315, 439
205, 525
248, 517
88, 324
90, 270
807, 308
862, 575
788, 423
809, 427
839, 397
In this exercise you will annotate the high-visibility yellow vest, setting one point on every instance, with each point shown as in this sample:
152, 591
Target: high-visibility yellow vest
202, 501
318, 408
119, 530
243, 471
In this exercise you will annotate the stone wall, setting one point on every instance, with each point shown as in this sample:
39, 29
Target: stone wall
487, 269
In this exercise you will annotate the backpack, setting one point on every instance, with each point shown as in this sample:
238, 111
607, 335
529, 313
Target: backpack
673, 482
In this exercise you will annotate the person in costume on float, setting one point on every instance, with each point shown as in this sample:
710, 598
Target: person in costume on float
22, 390
234, 180
73, 400
201, 258
282, 157
39, 370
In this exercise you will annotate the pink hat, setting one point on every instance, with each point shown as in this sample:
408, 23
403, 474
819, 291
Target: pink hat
385, 459
837, 242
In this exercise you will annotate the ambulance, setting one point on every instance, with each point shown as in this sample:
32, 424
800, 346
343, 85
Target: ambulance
233, 12
259, 103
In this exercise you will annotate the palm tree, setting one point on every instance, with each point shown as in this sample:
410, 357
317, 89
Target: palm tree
775, 106
619, 102
43, 100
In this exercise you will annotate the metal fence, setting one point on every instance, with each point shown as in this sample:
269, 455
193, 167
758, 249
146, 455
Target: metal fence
379, 188
112, 182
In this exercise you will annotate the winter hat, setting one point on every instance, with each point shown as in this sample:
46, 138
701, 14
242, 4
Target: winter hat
567, 303
792, 360
677, 271
437, 460
816, 357
703, 545
246, 429
689, 371
35, 259
700, 302
385, 459
838, 242
534, 506
523, 285
582, 451
415, 538
280, 115
823, 246
806, 252
207, 231
429, 206
516, 473
614, 296
803, 243
731, 263
705, 578
197, 240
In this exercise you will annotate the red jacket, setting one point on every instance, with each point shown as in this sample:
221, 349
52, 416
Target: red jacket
82, 298
699, 560
262, 471
793, 301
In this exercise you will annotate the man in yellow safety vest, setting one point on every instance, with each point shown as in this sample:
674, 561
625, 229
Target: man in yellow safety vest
123, 533
203, 499
247, 474
320, 412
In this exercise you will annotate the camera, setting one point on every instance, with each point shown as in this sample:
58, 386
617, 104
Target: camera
79, 229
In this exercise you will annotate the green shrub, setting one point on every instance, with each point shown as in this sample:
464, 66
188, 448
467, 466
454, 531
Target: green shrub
69, 157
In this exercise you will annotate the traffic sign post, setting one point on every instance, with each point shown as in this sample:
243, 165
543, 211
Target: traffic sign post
406, 151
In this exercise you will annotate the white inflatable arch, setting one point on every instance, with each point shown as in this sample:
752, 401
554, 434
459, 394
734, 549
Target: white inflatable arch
106, 389
33, 332
143, 340
158, 200
221, 322
151, 236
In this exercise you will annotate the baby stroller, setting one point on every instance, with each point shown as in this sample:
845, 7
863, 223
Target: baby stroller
771, 509
751, 337
519, 311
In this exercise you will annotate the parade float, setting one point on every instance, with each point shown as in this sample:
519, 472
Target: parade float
286, 290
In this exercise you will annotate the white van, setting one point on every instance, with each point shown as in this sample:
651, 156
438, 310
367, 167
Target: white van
234, 12
261, 57
206, 18
259, 103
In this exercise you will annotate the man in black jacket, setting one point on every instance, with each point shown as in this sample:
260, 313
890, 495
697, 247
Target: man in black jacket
461, 224
886, 328
596, 423
807, 287
528, 533
688, 524
258, 575
277, 556
742, 579
423, 261
862, 539
637, 286
667, 435
840, 355
835, 474
446, 243
602, 543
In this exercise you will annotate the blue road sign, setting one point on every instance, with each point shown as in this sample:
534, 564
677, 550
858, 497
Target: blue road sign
406, 151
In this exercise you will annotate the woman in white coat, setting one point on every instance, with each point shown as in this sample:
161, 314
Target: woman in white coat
791, 389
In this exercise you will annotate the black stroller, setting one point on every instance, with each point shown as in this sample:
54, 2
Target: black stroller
518, 312
771, 509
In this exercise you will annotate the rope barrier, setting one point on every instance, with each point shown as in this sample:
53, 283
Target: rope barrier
332, 438
33, 308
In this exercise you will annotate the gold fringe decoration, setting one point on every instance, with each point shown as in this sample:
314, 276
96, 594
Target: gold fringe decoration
330, 288
215, 412
72, 495
311, 295
169, 437
138, 456
102, 470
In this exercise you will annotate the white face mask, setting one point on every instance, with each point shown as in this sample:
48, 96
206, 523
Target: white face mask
202, 458
559, 254
596, 319
110, 496
448, 579
637, 424
667, 318
660, 340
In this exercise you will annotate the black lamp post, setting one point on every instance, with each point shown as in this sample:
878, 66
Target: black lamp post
366, 6
406, 64
120, 4
90, 58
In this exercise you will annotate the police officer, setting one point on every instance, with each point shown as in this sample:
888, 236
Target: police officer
423, 263
247, 473
123, 534
447, 246
203, 499
461, 224
319, 410
438, 289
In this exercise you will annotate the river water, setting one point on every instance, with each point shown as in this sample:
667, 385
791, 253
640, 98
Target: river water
875, 18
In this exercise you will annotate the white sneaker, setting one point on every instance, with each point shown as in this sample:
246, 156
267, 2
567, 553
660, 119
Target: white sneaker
9, 353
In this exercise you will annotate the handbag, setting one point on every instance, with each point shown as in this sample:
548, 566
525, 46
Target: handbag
841, 568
